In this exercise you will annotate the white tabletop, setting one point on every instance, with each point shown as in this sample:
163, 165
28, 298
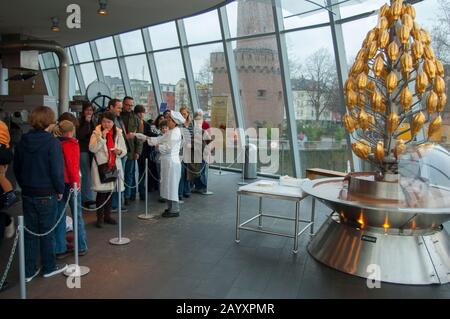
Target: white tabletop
273, 188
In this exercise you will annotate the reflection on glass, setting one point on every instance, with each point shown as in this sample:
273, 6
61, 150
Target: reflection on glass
132, 42
172, 79
113, 78
164, 36
141, 86
248, 17
83, 52
105, 48
316, 99
202, 28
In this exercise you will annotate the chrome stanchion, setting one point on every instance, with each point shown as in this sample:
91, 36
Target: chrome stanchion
119, 240
220, 172
207, 192
146, 215
76, 269
243, 182
23, 287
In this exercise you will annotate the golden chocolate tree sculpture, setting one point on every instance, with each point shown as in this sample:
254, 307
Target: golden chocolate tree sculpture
395, 86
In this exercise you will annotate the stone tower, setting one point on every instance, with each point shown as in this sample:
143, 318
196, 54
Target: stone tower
257, 66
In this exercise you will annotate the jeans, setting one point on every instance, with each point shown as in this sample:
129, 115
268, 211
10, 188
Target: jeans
60, 231
115, 195
130, 178
85, 166
39, 217
201, 183
184, 187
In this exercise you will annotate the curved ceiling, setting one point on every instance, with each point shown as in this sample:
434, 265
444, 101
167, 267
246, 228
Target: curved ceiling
33, 18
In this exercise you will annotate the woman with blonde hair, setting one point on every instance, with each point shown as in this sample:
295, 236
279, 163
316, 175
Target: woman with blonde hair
108, 145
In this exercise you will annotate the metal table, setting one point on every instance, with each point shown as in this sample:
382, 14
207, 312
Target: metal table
262, 190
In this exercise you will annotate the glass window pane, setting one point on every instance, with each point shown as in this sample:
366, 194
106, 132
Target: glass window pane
360, 6
113, 78
88, 72
354, 33
298, 14
202, 28
105, 48
211, 78
141, 86
132, 42
433, 15
164, 36
74, 88
261, 95
83, 52
248, 17
48, 60
171, 77
52, 78
316, 99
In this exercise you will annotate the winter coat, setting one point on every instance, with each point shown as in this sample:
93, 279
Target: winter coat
71, 153
132, 125
97, 145
84, 132
39, 164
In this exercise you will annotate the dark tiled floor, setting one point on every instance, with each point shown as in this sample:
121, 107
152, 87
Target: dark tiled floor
195, 256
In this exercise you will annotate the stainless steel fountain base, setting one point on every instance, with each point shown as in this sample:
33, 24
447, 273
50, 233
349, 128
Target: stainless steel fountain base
420, 259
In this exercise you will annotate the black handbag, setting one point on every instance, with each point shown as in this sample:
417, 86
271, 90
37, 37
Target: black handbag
106, 174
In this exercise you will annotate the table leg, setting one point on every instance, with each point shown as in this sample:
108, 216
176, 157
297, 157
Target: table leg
260, 213
297, 218
313, 214
238, 217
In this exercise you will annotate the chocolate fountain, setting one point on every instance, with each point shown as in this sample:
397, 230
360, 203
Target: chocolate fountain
387, 224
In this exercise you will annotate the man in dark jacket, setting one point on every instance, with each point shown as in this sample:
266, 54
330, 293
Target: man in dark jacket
39, 170
134, 147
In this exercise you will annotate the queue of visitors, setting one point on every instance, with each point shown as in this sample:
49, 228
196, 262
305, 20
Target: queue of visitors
99, 155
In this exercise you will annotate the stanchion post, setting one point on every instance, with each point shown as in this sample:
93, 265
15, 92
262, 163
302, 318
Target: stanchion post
243, 169
119, 240
23, 288
146, 215
76, 268
207, 192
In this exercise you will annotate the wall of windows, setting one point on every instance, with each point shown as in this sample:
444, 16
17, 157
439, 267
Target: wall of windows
236, 52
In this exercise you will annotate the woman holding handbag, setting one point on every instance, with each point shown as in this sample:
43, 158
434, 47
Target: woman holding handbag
108, 145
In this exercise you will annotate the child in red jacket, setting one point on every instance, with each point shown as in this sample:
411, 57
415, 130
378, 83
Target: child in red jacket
65, 131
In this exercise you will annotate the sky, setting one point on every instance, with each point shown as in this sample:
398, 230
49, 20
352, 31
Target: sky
205, 27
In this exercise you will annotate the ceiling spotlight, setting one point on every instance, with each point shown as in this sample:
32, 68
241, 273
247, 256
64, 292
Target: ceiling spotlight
102, 9
55, 24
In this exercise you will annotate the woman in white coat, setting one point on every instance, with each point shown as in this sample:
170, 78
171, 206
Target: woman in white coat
169, 147
108, 145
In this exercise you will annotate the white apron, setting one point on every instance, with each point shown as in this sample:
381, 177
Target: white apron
169, 148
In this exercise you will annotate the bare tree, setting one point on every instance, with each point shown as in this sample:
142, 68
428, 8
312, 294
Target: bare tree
440, 33
321, 72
